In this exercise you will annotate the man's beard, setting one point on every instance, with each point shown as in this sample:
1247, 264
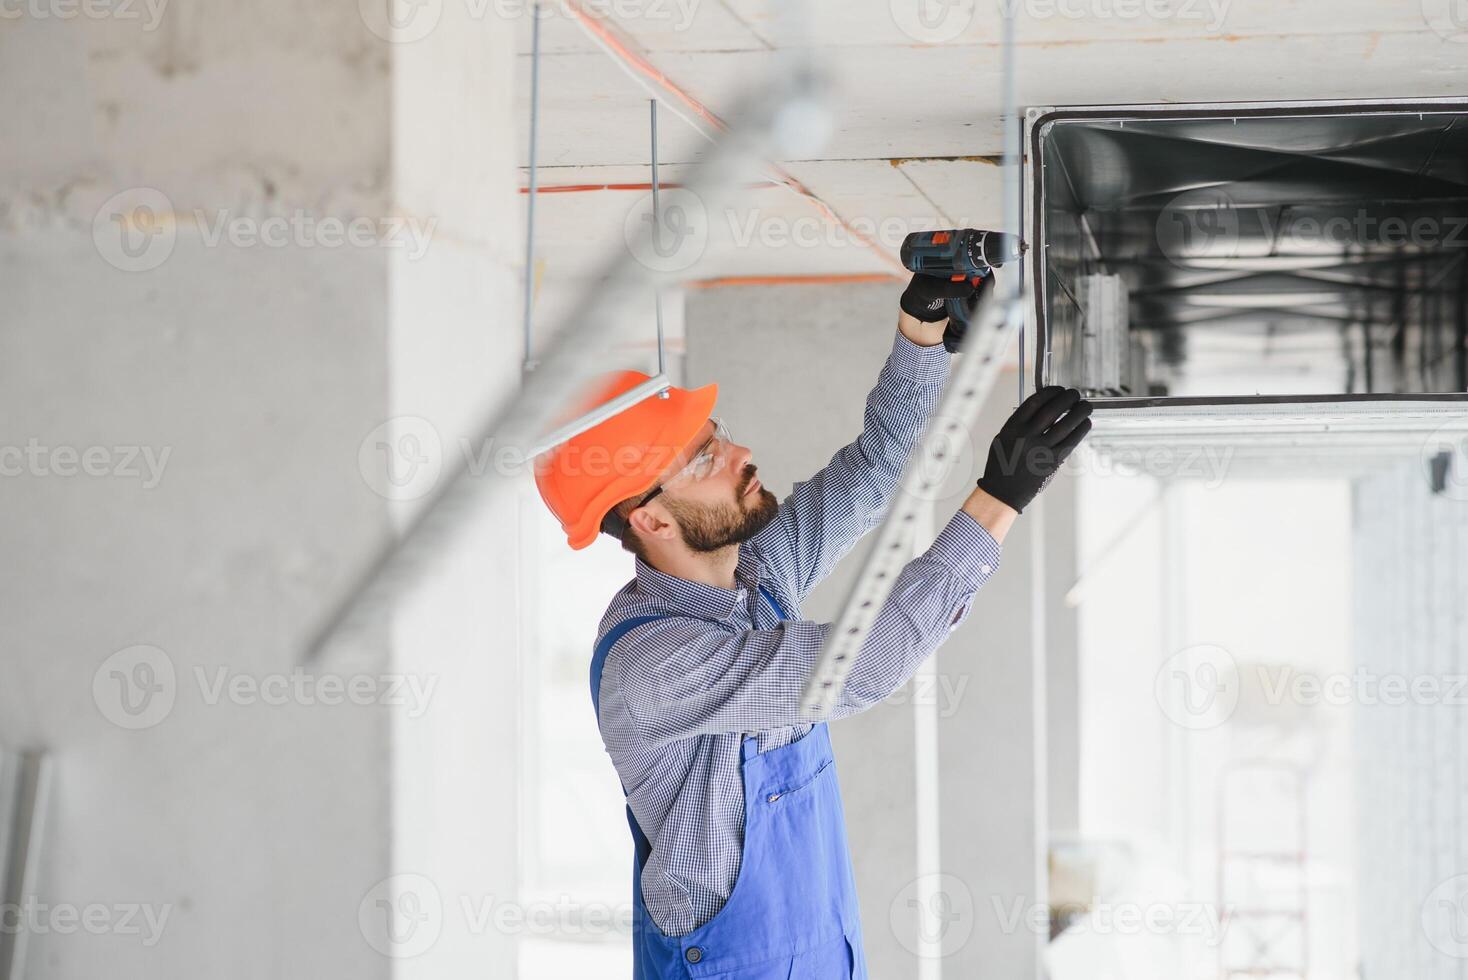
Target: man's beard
710, 528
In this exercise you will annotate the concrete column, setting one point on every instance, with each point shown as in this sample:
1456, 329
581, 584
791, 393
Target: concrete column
207, 312
1410, 736
455, 346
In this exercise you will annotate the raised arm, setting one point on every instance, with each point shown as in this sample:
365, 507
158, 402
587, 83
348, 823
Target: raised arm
823, 517
684, 677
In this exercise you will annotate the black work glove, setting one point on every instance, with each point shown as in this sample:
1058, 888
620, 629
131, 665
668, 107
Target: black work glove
953, 334
1030, 447
926, 297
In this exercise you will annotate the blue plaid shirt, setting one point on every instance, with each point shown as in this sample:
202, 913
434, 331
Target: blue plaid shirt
678, 694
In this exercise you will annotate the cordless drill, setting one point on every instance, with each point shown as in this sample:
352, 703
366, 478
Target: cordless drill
957, 254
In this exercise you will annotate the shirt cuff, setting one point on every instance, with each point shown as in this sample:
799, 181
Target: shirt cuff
967, 548
927, 365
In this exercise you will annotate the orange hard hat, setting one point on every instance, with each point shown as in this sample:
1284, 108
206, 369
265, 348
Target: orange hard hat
584, 477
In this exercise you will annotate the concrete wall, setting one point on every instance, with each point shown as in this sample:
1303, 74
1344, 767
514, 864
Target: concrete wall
251, 822
924, 828
1412, 779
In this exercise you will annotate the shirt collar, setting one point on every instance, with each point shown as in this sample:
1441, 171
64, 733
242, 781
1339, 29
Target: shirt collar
699, 598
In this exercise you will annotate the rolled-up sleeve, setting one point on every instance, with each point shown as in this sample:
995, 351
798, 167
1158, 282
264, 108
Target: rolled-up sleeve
682, 676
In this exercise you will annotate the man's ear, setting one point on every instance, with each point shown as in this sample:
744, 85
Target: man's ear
650, 524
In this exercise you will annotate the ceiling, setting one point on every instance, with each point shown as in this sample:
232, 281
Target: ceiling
916, 113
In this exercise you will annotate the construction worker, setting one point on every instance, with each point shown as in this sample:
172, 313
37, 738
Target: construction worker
742, 870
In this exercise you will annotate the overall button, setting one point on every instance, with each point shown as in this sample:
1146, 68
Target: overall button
694, 954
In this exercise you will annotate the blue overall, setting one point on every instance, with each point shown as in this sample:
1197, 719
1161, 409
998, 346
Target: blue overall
793, 912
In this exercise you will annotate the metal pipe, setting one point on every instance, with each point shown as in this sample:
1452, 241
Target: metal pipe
703, 120
657, 294
24, 784
529, 362
652, 386
1013, 183
1462, 331
575, 353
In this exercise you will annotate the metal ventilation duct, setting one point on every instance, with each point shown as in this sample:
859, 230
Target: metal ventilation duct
1222, 259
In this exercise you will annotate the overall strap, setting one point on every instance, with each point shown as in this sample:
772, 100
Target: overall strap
599, 656
598, 664
640, 843
779, 609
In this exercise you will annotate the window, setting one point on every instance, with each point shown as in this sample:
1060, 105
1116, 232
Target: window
577, 857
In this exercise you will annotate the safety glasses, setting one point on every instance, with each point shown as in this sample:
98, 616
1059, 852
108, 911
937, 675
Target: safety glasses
709, 459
